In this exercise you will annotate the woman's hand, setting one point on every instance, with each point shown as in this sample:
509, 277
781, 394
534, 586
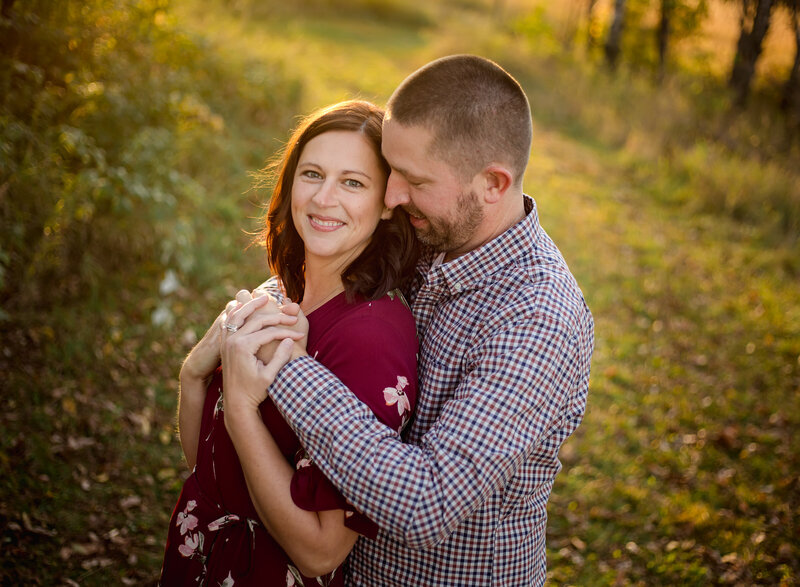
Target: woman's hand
249, 327
195, 371
267, 351
206, 354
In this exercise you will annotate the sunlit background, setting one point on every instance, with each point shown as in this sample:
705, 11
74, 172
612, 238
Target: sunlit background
666, 165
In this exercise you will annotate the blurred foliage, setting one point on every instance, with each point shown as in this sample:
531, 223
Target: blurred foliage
641, 28
399, 12
116, 133
127, 131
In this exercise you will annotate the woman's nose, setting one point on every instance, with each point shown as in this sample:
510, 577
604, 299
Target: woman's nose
325, 196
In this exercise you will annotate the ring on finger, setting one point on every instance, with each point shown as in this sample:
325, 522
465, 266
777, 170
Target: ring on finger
231, 327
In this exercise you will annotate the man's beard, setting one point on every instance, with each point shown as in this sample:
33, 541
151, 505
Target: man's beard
449, 234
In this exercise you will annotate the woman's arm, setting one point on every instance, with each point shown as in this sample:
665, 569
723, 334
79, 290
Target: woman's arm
201, 363
317, 542
195, 371
191, 396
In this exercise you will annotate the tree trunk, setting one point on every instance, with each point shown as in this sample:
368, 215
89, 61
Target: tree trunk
791, 91
662, 36
748, 50
612, 47
7, 6
590, 40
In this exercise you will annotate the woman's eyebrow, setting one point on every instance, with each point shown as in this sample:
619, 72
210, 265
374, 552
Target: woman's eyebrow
357, 172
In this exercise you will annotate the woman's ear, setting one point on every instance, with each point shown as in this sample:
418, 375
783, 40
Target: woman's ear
387, 213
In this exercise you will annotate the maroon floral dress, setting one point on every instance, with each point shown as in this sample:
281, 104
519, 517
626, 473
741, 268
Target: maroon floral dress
215, 536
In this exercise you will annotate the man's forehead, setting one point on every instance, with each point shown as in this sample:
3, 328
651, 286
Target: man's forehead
404, 141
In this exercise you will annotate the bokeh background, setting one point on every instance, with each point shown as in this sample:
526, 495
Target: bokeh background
666, 164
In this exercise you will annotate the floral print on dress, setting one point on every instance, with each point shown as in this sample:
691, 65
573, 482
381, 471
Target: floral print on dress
193, 545
213, 541
396, 395
220, 406
223, 521
187, 521
293, 577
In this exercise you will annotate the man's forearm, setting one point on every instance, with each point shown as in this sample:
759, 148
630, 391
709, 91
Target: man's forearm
365, 459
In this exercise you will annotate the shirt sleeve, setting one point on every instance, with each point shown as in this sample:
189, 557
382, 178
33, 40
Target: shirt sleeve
517, 391
377, 359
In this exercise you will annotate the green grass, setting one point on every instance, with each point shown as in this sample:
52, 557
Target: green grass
681, 233
687, 455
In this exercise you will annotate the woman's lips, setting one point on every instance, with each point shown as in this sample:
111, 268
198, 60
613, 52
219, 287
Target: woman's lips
324, 224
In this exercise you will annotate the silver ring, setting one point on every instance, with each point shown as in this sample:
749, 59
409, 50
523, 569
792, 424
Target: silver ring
231, 327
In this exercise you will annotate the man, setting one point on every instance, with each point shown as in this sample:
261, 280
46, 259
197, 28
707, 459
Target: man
505, 346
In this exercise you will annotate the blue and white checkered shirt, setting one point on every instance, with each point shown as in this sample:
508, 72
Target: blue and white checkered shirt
505, 345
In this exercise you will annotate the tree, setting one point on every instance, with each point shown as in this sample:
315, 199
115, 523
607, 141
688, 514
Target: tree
662, 35
613, 41
754, 24
791, 90
7, 6
678, 19
590, 40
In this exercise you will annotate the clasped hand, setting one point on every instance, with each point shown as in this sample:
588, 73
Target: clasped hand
266, 337
254, 338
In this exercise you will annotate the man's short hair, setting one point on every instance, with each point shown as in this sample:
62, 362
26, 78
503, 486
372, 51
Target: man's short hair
477, 112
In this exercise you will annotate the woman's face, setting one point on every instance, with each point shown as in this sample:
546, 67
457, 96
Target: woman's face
337, 196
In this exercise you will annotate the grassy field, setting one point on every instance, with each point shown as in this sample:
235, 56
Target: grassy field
680, 222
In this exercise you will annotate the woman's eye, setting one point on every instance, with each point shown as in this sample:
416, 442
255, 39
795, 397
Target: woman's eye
311, 174
353, 183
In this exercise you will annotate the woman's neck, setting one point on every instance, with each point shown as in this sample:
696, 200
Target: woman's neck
321, 284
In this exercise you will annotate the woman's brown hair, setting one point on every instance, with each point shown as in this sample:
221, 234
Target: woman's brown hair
389, 259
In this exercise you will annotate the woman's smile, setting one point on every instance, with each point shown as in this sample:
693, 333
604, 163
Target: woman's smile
337, 196
324, 224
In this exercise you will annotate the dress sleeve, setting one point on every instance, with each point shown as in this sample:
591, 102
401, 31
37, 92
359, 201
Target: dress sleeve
376, 357
311, 490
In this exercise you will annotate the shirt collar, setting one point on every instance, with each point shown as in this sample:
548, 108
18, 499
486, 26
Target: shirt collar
469, 270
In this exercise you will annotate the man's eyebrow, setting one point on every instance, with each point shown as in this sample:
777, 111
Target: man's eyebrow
407, 174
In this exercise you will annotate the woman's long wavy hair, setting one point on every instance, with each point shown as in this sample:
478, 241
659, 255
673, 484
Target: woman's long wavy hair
389, 258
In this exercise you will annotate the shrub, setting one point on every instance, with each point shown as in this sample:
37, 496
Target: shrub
113, 134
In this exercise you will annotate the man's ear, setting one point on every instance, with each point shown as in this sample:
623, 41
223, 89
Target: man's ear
497, 181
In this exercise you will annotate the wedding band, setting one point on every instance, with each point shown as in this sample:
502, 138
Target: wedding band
231, 327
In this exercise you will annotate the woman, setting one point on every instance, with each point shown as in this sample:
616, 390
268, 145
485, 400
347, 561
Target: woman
255, 510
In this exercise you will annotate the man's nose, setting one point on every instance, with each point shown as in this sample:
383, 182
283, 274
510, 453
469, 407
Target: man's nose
396, 191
